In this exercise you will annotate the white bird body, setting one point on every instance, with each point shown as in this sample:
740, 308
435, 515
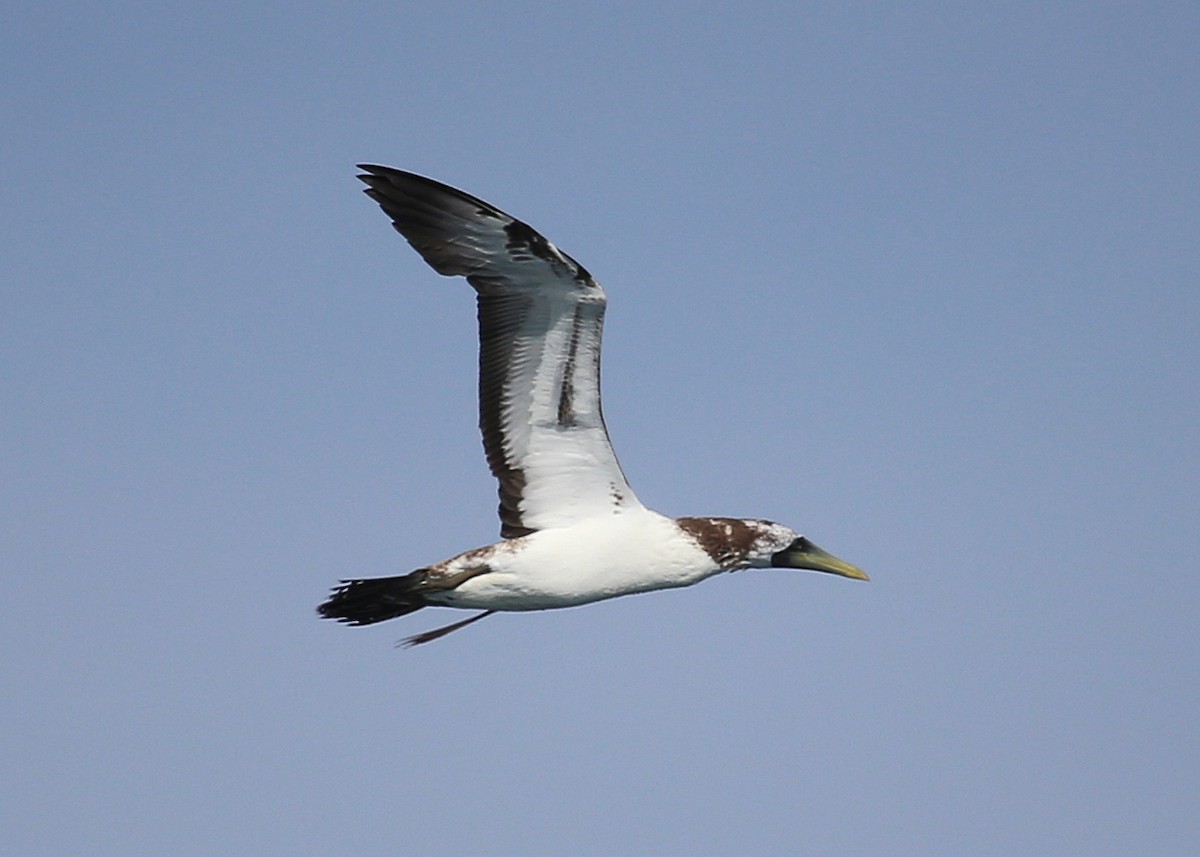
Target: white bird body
634, 551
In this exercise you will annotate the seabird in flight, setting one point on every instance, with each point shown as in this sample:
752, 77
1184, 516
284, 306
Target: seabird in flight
572, 529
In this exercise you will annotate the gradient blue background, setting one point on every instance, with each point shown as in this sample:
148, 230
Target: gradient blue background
922, 280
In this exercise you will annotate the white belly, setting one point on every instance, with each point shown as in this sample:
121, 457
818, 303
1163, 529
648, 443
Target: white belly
616, 555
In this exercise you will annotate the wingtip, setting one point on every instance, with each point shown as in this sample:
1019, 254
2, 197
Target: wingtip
372, 173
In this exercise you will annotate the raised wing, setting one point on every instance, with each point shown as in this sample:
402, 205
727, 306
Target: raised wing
540, 321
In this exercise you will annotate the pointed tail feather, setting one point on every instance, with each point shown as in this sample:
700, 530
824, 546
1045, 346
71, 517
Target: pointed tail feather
377, 599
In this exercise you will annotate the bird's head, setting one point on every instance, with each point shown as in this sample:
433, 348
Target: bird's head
734, 543
783, 547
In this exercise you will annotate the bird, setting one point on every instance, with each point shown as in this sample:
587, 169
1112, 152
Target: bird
572, 530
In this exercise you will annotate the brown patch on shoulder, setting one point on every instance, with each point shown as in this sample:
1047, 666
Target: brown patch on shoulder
476, 556
452, 573
728, 541
439, 578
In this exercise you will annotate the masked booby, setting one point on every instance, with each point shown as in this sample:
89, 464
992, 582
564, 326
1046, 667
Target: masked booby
572, 530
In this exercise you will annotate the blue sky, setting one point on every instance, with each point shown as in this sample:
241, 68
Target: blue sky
920, 280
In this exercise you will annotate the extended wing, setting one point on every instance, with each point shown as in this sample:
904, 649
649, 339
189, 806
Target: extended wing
540, 320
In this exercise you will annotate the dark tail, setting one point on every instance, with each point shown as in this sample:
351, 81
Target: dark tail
365, 602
